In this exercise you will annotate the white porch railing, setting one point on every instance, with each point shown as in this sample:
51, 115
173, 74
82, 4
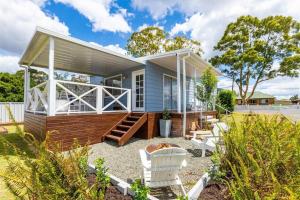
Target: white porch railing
73, 97
37, 99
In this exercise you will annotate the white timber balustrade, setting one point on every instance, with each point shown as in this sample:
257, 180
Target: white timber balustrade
75, 97
36, 101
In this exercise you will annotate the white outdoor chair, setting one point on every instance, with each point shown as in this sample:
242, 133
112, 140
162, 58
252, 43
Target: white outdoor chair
161, 167
210, 141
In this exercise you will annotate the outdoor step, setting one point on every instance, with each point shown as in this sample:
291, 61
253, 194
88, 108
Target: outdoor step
119, 132
133, 117
128, 121
113, 137
137, 114
123, 126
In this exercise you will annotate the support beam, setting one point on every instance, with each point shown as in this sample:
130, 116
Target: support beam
184, 93
51, 81
26, 86
195, 88
178, 85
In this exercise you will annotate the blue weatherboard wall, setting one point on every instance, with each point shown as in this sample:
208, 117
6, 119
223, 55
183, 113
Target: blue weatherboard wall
154, 86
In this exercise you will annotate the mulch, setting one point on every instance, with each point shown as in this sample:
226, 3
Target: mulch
215, 191
111, 193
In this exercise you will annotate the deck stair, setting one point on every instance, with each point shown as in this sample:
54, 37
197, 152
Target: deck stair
126, 128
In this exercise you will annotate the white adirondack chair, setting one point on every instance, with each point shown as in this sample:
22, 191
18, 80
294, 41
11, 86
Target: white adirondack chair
210, 141
161, 167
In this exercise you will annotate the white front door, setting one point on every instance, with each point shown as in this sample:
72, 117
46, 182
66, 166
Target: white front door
138, 90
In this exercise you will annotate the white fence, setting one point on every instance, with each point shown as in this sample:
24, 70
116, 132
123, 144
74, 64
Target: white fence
265, 107
17, 110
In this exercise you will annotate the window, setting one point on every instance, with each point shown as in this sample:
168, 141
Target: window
170, 92
114, 81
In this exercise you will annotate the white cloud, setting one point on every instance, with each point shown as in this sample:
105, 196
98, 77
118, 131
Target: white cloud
9, 64
112, 47
18, 20
98, 13
207, 20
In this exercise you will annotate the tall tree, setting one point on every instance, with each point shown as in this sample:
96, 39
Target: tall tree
152, 40
207, 86
251, 48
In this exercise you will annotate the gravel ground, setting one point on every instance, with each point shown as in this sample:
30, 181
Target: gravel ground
124, 162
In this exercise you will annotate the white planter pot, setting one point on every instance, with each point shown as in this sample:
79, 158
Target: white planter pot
165, 127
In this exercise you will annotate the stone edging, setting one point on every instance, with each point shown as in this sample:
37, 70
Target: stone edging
121, 185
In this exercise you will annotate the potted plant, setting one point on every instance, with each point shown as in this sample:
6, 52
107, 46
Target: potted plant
165, 124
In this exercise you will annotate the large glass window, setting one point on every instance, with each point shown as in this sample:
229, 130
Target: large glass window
170, 92
114, 81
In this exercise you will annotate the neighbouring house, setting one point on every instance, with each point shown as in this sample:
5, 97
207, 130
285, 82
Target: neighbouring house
258, 98
125, 96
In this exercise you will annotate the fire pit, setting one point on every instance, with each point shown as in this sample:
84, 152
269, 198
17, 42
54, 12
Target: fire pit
153, 147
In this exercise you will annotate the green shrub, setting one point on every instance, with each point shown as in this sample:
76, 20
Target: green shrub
166, 115
102, 178
226, 99
140, 190
45, 174
262, 158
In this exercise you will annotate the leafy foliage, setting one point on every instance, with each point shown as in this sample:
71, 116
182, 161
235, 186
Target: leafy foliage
262, 158
207, 86
294, 98
44, 174
152, 40
11, 87
226, 99
102, 178
166, 115
140, 190
251, 46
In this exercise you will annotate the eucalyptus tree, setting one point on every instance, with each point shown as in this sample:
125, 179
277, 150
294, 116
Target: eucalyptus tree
153, 40
254, 50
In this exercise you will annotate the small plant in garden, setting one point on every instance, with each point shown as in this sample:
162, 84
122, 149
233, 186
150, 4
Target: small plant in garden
83, 164
166, 115
262, 158
101, 176
182, 198
215, 173
140, 190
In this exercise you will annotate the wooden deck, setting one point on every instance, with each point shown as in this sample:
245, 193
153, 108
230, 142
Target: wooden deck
86, 128
90, 128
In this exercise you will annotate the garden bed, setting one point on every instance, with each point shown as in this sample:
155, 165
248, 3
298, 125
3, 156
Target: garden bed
215, 191
111, 192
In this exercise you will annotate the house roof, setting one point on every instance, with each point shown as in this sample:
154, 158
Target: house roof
169, 60
71, 54
74, 55
258, 95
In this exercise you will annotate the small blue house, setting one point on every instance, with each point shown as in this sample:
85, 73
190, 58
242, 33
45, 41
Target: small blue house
119, 85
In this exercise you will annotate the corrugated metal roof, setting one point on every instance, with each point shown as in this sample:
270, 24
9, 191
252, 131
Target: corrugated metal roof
75, 55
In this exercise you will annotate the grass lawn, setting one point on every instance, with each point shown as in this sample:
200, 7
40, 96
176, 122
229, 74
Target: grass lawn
18, 141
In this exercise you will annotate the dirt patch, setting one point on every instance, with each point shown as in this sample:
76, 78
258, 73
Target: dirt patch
215, 191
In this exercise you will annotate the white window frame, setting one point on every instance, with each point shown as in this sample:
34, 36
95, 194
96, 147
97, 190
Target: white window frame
132, 89
173, 77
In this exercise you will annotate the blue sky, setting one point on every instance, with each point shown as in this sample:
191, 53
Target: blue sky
110, 23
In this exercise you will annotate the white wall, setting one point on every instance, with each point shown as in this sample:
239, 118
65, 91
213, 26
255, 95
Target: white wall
17, 109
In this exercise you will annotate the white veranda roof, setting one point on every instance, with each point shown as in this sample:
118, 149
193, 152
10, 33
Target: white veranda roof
74, 55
